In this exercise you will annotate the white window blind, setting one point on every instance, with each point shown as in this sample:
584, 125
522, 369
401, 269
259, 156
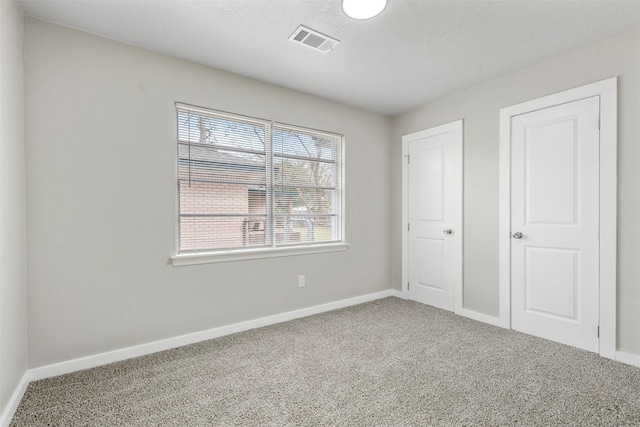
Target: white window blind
246, 183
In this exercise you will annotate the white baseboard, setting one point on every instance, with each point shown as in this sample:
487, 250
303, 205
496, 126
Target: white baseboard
398, 294
179, 341
628, 358
7, 414
480, 317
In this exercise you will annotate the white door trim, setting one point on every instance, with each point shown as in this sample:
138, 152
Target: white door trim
607, 91
406, 139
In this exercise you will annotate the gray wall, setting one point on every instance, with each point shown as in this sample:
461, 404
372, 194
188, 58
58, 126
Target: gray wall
13, 279
100, 135
479, 107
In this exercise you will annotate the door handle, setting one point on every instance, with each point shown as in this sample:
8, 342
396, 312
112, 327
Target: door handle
517, 235
448, 231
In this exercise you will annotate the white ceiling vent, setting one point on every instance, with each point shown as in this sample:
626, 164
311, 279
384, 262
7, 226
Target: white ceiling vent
313, 39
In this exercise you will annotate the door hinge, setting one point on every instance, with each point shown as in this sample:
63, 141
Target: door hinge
598, 331
408, 227
598, 122
408, 285
408, 158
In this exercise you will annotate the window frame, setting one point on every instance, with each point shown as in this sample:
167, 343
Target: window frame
274, 250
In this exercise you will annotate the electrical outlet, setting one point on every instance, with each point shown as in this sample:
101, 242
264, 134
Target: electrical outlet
301, 281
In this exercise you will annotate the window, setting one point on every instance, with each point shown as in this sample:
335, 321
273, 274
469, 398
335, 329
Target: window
250, 184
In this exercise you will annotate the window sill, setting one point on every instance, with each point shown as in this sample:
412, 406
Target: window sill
240, 255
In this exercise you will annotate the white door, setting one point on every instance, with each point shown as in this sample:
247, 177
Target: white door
435, 214
555, 223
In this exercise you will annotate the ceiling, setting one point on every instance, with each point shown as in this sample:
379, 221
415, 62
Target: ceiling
414, 52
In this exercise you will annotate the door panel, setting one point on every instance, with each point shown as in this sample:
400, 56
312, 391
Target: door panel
555, 207
563, 284
430, 253
429, 191
550, 180
435, 205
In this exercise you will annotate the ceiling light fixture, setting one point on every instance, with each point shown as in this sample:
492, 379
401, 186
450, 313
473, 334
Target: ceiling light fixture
363, 9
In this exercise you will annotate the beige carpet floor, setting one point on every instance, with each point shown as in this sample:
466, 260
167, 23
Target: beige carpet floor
385, 363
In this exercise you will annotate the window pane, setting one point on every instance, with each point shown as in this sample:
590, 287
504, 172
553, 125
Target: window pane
211, 198
207, 233
306, 181
199, 127
209, 164
305, 229
295, 172
294, 143
297, 201
222, 176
